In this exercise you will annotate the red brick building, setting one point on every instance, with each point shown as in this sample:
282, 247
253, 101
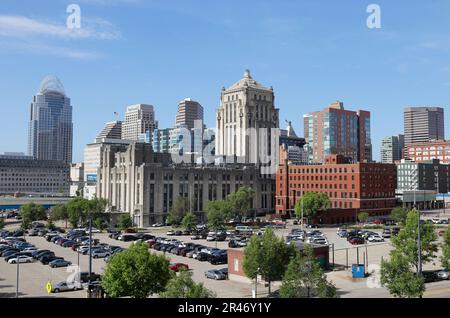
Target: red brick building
351, 187
425, 151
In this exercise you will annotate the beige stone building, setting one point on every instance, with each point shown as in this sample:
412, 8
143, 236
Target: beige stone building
136, 180
244, 106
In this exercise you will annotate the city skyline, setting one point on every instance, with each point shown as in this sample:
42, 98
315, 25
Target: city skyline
369, 63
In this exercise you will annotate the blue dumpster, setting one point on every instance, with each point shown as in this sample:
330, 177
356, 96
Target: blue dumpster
358, 271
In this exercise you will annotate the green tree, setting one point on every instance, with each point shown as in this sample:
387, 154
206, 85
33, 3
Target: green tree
313, 202
240, 201
399, 271
217, 213
32, 212
189, 221
445, 258
179, 209
399, 215
59, 212
77, 211
305, 278
125, 222
363, 217
267, 256
136, 272
2, 223
397, 276
183, 286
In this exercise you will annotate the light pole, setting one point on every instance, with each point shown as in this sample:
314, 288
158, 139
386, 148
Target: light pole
301, 204
17, 279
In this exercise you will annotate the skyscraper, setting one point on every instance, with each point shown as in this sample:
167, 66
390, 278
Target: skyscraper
139, 119
188, 112
50, 130
112, 130
246, 105
423, 124
336, 131
392, 148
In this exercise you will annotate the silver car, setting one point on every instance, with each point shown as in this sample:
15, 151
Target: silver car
215, 274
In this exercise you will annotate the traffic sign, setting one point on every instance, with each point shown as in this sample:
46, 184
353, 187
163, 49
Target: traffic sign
49, 287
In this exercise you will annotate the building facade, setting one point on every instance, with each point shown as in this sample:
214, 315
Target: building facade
45, 178
145, 184
92, 162
50, 130
76, 179
368, 187
246, 121
139, 119
112, 130
425, 151
336, 131
392, 148
423, 124
189, 111
421, 182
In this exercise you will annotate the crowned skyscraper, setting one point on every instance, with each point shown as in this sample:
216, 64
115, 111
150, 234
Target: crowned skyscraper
50, 131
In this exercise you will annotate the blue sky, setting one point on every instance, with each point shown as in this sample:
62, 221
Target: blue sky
159, 52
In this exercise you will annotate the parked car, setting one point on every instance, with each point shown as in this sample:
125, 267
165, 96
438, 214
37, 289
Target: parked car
215, 274
96, 253
218, 258
64, 286
37, 254
170, 233
59, 263
20, 259
443, 274
176, 267
386, 233
46, 259
342, 233
356, 240
375, 238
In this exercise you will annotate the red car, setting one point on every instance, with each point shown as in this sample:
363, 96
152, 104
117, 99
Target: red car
356, 240
176, 267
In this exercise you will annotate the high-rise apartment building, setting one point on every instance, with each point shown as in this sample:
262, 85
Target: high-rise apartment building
336, 131
139, 119
422, 124
112, 130
392, 148
188, 112
50, 130
246, 106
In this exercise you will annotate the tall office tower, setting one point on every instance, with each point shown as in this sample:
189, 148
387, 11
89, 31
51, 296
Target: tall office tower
423, 124
139, 119
112, 130
50, 130
336, 131
392, 148
246, 105
188, 112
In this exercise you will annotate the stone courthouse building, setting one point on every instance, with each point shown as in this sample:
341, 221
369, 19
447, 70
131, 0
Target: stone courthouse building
136, 180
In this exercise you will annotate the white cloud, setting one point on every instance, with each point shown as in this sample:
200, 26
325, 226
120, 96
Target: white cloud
48, 50
109, 2
22, 27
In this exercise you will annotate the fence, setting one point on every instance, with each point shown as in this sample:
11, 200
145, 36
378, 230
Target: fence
343, 258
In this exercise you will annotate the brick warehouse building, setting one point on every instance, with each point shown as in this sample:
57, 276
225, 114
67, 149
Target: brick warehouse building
351, 188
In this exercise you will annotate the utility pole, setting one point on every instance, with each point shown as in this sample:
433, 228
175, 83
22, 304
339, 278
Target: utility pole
90, 256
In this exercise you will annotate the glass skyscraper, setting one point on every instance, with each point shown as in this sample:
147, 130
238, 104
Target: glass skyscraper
50, 131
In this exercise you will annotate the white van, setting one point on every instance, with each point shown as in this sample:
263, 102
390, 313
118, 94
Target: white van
244, 229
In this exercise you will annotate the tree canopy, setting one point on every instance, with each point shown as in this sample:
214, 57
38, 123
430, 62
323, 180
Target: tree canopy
183, 286
32, 212
363, 217
189, 221
240, 201
305, 278
445, 258
313, 202
399, 215
136, 272
125, 222
179, 209
217, 213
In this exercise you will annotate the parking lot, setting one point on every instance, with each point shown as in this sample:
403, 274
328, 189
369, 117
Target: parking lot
34, 276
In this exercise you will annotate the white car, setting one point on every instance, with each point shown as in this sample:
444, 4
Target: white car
21, 259
100, 253
375, 238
